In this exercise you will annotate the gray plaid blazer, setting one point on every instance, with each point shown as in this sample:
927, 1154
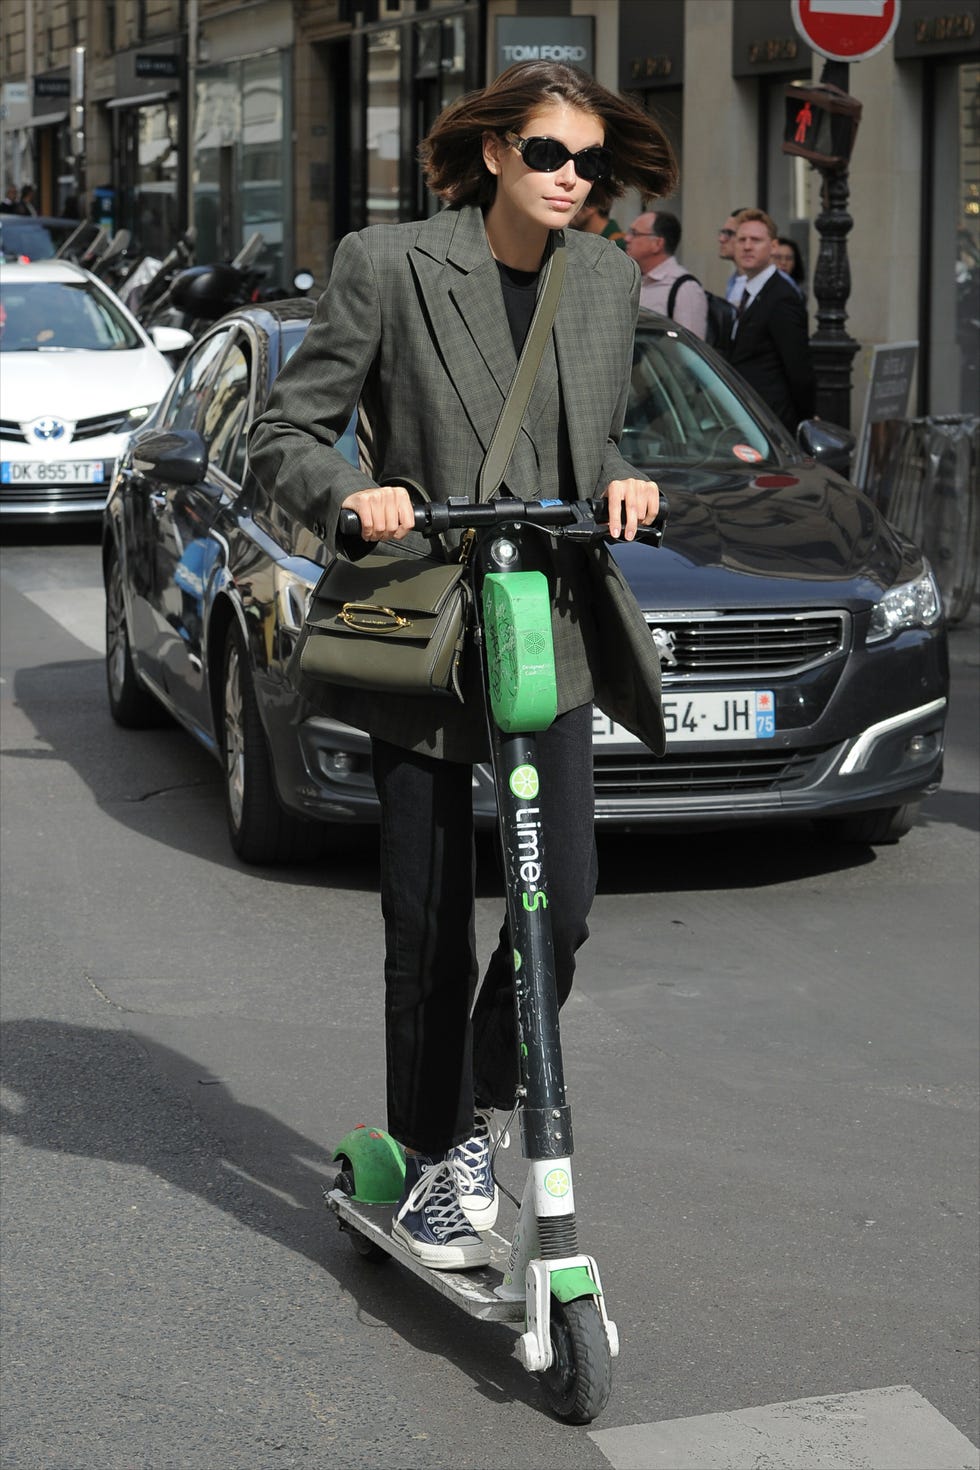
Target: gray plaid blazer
412, 330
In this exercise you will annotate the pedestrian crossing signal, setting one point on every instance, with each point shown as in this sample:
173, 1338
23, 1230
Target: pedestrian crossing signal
821, 123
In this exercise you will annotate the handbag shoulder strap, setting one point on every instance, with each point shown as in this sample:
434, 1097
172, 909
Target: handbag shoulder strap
508, 424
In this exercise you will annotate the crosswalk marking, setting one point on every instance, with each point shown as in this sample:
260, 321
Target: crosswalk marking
881, 1428
65, 583
79, 610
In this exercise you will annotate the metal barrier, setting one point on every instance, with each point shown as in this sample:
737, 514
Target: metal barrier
929, 490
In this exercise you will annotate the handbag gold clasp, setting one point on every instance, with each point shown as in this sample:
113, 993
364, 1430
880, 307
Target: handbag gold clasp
371, 617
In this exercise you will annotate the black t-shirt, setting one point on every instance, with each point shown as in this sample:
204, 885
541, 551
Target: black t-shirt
520, 289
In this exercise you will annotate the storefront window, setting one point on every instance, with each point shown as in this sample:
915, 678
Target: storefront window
218, 127
383, 132
667, 106
440, 64
241, 173
263, 166
954, 316
151, 154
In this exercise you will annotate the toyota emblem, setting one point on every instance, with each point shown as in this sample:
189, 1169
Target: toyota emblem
48, 429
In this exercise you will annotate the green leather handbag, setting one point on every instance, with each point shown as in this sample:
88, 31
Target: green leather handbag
398, 623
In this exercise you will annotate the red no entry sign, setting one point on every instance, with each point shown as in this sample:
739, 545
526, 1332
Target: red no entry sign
846, 30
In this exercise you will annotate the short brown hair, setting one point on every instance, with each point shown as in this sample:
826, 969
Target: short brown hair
745, 216
452, 152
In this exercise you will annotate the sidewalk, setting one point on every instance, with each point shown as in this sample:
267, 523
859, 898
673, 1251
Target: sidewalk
964, 639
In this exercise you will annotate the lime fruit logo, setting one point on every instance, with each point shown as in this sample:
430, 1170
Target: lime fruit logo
524, 782
557, 1182
535, 643
517, 959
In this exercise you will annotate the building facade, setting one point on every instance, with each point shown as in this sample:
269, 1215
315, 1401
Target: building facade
300, 119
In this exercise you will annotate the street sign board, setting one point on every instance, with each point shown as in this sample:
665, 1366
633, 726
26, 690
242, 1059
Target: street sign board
889, 383
846, 30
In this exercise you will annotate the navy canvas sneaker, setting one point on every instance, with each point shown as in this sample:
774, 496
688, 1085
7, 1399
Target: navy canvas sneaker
429, 1221
478, 1194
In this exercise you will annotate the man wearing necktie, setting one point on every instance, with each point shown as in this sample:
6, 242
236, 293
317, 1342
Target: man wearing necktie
770, 347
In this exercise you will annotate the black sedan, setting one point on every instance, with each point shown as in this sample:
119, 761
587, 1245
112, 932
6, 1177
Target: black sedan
802, 639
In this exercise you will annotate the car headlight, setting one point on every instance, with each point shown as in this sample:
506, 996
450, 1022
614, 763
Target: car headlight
916, 604
293, 595
135, 417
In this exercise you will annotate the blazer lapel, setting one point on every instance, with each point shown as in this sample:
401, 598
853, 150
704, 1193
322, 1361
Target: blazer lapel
457, 278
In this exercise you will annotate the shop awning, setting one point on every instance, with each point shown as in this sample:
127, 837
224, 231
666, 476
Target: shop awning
142, 97
42, 120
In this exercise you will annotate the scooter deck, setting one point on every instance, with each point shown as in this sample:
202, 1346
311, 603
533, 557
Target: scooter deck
473, 1291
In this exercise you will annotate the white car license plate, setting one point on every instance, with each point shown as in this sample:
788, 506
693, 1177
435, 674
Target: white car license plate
55, 472
741, 714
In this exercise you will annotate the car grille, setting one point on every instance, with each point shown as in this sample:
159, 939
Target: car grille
714, 646
709, 774
105, 423
52, 494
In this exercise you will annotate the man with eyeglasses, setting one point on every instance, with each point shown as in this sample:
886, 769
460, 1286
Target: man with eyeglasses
666, 286
726, 251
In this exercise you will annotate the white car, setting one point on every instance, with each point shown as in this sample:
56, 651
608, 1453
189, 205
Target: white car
77, 375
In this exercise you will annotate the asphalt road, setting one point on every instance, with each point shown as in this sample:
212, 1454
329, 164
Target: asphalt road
772, 1063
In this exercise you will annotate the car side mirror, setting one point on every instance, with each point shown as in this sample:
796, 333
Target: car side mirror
171, 339
177, 456
829, 444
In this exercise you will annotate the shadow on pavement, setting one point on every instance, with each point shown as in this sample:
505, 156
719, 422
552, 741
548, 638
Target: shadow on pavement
158, 782
108, 1095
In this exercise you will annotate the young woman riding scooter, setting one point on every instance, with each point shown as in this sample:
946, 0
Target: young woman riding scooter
420, 329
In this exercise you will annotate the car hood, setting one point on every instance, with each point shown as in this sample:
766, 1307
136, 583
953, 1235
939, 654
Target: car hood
738, 542
77, 385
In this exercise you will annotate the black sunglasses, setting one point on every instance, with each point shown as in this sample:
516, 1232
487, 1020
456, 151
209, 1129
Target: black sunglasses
547, 156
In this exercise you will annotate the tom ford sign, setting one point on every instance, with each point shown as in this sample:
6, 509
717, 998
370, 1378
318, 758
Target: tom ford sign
564, 38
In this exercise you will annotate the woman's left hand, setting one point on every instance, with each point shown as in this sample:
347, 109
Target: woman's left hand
632, 503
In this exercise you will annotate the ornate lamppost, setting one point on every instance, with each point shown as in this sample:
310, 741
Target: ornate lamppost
821, 125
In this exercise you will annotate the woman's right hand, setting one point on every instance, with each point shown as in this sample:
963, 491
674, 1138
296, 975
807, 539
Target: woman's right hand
386, 513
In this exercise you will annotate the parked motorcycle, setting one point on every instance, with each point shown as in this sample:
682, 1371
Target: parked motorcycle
203, 293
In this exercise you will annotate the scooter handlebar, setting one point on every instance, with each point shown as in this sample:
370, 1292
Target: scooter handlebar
580, 519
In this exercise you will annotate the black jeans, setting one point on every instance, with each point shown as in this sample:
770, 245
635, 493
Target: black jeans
441, 1060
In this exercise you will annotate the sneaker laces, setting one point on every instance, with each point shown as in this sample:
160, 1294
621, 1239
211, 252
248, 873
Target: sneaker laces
435, 1195
471, 1157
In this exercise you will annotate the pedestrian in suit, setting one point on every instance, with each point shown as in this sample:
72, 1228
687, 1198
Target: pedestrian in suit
420, 326
770, 347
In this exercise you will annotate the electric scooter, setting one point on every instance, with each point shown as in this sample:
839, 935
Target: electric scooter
540, 1278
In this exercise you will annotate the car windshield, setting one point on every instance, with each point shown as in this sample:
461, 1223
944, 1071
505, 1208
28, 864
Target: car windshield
682, 412
52, 316
33, 239
290, 336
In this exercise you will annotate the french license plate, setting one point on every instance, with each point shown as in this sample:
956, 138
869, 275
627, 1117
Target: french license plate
55, 472
741, 714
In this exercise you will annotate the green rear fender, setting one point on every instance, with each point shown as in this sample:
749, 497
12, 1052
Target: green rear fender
377, 1163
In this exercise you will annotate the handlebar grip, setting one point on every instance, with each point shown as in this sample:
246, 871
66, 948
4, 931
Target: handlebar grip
428, 518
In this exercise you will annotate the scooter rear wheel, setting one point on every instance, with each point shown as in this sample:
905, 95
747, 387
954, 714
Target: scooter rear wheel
364, 1247
578, 1383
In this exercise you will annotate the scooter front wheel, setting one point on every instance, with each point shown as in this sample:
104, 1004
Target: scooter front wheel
578, 1383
